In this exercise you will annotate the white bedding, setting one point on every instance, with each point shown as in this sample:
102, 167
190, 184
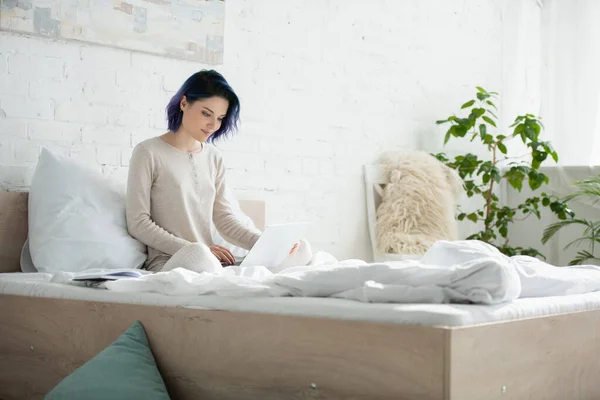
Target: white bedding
520, 287
450, 272
39, 285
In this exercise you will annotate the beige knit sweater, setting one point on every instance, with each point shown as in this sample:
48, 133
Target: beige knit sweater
173, 197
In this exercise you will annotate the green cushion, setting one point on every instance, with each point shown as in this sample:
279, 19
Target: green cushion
124, 370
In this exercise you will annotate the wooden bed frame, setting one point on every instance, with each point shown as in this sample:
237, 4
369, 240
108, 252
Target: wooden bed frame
205, 354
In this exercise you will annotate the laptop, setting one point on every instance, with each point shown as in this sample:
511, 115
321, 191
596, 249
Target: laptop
273, 245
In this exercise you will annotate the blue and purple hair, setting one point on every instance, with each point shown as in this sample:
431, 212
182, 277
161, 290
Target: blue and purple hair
202, 85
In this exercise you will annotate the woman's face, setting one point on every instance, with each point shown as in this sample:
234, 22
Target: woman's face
203, 117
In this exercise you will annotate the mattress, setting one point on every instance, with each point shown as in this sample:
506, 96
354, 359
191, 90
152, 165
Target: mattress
36, 285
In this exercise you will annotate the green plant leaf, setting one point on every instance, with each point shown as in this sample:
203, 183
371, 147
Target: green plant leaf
467, 104
441, 157
467, 164
583, 257
482, 96
531, 252
537, 158
533, 124
488, 139
447, 137
490, 218
492, 104
502, 148
561, 210
552, 229
452, 131
482, 130
503, 231
515, 176
460, 130
469, 185
518, 131
547, 146
495, 172
508, 251
472, 217
492, 113
485, 166
540, 155
588, 189
479, 111
529, 133
536, 179
533, 145
480, 89
517, 121
489, 121
579, 241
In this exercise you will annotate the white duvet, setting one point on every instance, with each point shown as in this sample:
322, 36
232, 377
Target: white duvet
451, 272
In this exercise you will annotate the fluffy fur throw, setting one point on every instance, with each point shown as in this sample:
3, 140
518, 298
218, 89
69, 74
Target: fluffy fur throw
419, 203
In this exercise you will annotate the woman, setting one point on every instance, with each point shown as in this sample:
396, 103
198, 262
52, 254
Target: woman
176, 186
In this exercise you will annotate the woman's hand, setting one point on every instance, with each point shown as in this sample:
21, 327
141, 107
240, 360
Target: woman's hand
222, 254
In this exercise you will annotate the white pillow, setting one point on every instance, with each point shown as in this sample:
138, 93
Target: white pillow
77, 219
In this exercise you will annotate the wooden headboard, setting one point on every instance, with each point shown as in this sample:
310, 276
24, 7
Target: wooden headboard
13, 229
13, 225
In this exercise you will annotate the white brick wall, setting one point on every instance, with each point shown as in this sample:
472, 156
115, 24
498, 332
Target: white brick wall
325, 88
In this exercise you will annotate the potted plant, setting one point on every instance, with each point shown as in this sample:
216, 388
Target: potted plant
586, 190
482, 176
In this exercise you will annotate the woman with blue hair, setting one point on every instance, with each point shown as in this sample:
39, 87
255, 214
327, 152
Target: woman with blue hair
176, 186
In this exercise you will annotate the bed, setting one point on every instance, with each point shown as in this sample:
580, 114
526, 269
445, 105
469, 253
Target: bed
296, 348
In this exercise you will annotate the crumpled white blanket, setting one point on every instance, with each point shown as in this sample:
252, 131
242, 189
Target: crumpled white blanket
450, 272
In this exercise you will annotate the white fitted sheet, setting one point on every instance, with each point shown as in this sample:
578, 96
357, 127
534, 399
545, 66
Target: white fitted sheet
36, 285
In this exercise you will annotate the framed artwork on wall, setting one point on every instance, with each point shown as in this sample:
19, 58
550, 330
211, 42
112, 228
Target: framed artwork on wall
184, 29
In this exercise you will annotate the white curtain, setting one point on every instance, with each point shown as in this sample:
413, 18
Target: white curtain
571, 79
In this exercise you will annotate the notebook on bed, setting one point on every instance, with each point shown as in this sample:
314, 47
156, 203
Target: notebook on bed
108, 276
